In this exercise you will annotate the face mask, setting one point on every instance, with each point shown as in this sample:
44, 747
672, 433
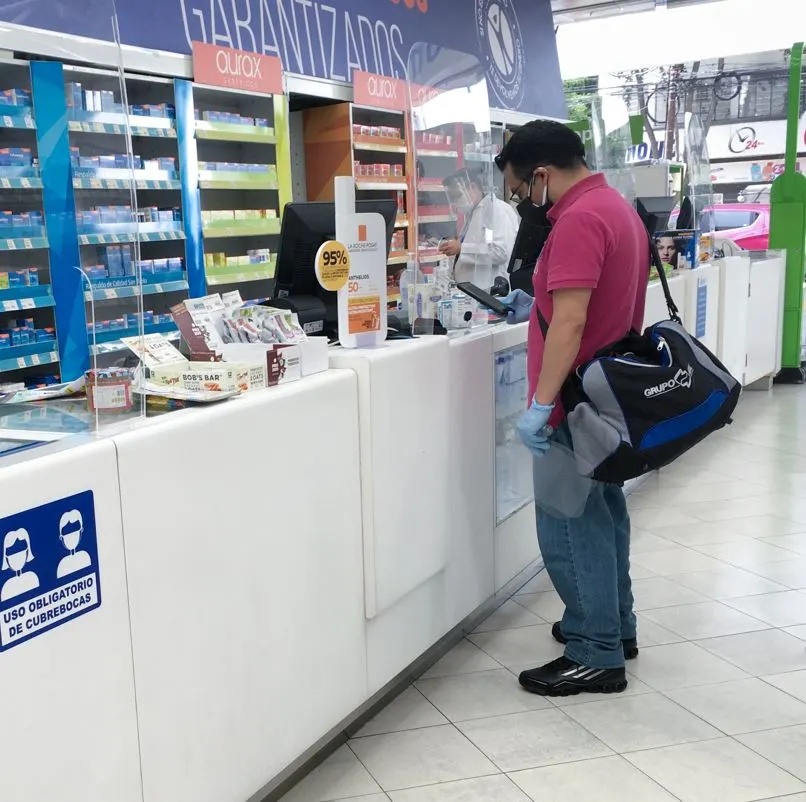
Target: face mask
532, 214
71, 539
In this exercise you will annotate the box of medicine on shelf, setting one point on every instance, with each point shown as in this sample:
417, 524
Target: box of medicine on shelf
27, 277
15, 97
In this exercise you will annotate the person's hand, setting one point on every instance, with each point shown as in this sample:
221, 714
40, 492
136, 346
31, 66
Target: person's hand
450, 247
520, 306
532, 428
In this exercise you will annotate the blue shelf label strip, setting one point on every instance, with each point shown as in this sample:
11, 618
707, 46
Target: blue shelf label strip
49, 571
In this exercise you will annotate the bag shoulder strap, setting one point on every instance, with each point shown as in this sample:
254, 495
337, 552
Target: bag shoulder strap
655, 261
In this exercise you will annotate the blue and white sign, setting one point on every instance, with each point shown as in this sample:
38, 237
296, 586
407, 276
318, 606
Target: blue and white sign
702, 306
49, 568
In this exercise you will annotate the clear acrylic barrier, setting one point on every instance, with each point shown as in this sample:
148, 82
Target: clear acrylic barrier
698, 186
453, 193
611, 141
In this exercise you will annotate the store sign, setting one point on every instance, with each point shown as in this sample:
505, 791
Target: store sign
237, 69
513, 39
49, 571
752, 140
380, 92
750, 172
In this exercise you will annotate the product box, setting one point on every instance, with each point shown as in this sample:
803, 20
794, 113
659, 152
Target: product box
107, 101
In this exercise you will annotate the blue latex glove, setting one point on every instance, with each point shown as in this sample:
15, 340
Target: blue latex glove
520, 304
533, 428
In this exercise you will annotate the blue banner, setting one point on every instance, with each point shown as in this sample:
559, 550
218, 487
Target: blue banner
514, 39
48, 568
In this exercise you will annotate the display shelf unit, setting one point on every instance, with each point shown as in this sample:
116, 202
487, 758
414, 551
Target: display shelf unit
372, 146
129, 223
244, 181
27, 303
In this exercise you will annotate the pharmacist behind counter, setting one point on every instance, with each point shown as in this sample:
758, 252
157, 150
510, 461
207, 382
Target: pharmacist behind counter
484, 246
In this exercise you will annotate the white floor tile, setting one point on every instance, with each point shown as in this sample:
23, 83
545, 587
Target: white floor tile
677, 560
715, 770
796, 543
486, 789
605, 779
785, 747
410, 711
421, 757
791, 573
704, 620
728, 582
790, 798
793, 683
642, 542
370, 798
341, 776
798, 632
510, 615
786, 609
540, 583
464, 658
681, 665
480, 695
747, 553
548, 606
652, 634
659, 591
744, 706
530, 740
767, 652
512, 647
654, 517
751, 526
640, 722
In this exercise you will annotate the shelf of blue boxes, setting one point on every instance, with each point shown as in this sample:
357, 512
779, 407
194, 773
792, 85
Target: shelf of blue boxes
28, 350
236, 142
128, 204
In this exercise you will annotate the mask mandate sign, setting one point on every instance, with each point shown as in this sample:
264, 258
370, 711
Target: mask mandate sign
49, 571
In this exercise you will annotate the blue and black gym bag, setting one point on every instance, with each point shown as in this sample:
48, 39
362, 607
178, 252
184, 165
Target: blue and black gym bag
645, 400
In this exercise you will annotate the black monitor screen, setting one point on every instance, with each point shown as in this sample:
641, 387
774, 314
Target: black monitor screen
305, 227
655, 212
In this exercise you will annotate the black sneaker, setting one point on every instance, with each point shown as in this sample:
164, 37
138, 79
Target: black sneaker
564, 677
630, 645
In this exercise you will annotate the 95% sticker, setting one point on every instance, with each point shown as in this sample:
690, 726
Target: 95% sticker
332, 265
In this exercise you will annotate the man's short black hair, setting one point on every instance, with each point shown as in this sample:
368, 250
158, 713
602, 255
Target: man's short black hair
542, 143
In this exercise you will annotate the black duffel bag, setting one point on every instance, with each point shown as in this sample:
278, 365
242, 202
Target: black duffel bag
642, 402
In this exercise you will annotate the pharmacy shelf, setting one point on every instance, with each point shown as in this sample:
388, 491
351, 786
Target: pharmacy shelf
397, 258
436, 153
217, 179
436, 218
166, 234
24, 121
430, 255
37, 242
379, 144
217, 279
113, 293
378, 183
17, 299
20, 182
113, 178
107, 122
235, 132
28, 356
471, 156
103, 339
428, 187
242, 228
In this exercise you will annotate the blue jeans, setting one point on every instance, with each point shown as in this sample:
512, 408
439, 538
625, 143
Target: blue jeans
588, 560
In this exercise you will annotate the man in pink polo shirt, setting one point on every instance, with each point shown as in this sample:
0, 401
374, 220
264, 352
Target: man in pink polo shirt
590, 286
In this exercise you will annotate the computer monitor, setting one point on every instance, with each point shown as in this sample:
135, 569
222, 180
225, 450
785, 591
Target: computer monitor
655, 212
528, 245
304, 228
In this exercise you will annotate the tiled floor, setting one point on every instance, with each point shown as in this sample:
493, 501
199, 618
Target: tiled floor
716, 706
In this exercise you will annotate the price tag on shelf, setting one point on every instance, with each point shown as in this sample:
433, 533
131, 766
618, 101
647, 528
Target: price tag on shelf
10, 306
110, 294
157, 288
26, 243
84, 239
5, 183
28, 303
7, 122
26, 184
98, 128
332, 265
21, 362
11, 245
35, 359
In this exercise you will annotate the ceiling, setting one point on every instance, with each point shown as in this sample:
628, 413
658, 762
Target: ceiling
568, 11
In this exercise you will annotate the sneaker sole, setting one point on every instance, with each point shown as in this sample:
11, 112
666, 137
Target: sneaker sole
606, 687
630, 647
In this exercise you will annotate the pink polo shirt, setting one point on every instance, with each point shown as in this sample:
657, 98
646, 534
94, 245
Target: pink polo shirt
597, 240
